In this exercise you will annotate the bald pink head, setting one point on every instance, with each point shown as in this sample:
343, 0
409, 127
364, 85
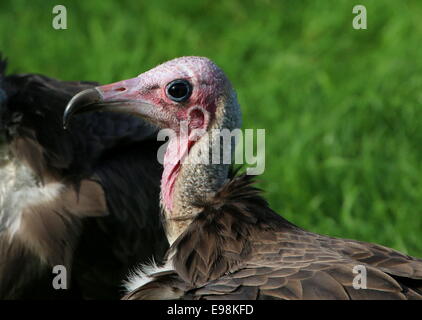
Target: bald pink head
192, 90
182, 89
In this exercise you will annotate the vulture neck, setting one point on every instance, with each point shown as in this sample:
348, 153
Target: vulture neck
186, 181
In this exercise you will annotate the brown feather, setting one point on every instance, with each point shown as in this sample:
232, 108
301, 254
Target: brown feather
237, 247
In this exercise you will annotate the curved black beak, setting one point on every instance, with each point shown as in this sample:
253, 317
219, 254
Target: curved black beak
122, 97
85, 101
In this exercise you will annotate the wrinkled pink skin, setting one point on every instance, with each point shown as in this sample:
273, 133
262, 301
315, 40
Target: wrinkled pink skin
198, 111
172, 164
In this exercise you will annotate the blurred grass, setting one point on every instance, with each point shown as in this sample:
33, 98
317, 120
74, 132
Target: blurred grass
342, 108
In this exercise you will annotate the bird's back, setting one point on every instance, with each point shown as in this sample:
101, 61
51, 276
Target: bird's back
106, 206
238, 248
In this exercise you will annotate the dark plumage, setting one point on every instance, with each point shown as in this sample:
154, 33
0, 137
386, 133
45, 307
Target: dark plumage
238, 248
92, 193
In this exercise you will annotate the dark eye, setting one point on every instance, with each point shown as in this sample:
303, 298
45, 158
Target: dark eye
179, 90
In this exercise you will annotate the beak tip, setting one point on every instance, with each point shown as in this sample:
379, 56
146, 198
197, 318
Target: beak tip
65, 120
67, 116
80, 103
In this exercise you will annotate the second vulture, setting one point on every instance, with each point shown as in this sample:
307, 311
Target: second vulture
85, 199
227, 243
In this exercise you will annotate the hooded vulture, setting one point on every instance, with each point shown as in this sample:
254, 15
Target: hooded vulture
226, 242
85, 198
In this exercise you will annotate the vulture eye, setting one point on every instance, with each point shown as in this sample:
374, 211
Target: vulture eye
179, 90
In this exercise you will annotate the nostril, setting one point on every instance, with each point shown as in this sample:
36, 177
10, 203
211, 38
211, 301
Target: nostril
121, 89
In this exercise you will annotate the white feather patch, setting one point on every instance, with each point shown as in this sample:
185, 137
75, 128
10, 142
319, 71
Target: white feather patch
18, 190
145, 274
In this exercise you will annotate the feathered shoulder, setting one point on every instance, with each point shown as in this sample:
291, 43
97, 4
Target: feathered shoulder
221, 235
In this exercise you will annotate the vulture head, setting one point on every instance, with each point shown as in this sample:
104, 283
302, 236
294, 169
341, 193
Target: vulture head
189, 89
191, 96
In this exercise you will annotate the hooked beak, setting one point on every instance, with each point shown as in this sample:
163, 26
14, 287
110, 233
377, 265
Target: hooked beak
85, 101
117, 97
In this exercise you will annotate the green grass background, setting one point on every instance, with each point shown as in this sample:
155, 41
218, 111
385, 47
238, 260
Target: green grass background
342, 108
